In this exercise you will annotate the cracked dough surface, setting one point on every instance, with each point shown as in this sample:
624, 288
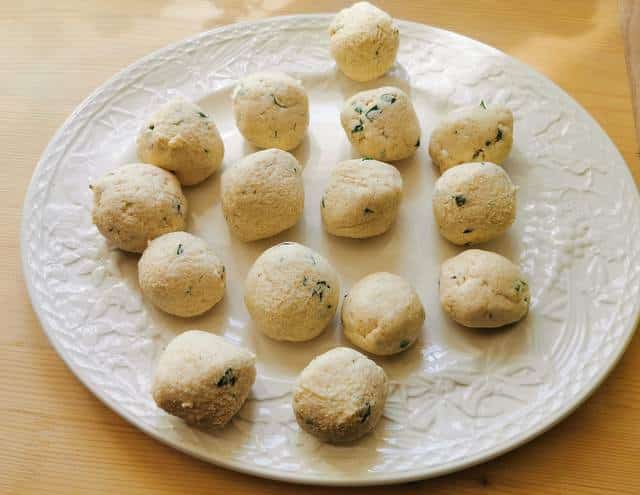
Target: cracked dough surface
203, 379
472, 134
381, 124
291, 292
136, 203
482, 289
180, 274
340, 395
474, 203
364, 41
183, 139
362, 198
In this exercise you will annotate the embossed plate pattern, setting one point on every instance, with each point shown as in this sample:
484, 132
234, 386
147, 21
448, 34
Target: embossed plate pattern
458, 397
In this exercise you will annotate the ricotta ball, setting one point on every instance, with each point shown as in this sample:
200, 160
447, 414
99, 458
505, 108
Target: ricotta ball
271, 110
203, 379
381, 123
364, 41
340, 395
180, 274
362, 198
262, 194
474, 203
476, 133
382, 314
291, 292
136, 203
481, 289
183, 139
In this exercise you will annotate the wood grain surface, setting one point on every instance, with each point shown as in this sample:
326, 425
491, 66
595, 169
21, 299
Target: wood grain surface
56, 438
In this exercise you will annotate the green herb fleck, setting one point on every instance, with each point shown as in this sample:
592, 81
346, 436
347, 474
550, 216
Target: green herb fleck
178, 122
375, 109
460, 199
483, 104
519, 285
203, 115
453, 277
229, 378
364, 412
357, 109
322, 202
368, 210
487, 142
467, 231
477, 153
180, 249
499, 135
404, 343
418, 143
152, 127
389, 98
329, 306
319, 289
205, 150
358, 127
304, 281
365, 158
188, 291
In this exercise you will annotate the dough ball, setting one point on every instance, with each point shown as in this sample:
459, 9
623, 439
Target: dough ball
262, 194
292, 292
477, 133
180, 274
474, 202
382, 314
181, 138
364, 41
340, 395
136, 203
203, 379
382, 124
481, 289
361, 199
271, 110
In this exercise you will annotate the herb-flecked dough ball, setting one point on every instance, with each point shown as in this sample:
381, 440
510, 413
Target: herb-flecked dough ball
271, 110
262, 194
291, 292
382, 314
136, 203
203, 379
340, 396
180, 274
181, 138
474, 203
481, 289
364, 41
362, 198
477, 133
381, 124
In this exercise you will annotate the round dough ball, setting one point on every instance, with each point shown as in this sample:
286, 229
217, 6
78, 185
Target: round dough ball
382, 314
474, 203
381, 123
481, 289
203, 379
364, 41
136, 203
262, 194
477, 133
180, 274
291, 292
181, 138
340, 395
361, 199
271, 110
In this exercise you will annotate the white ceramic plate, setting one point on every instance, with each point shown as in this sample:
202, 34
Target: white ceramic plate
459, 396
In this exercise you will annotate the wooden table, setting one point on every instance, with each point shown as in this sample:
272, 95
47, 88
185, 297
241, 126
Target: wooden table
57, 438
